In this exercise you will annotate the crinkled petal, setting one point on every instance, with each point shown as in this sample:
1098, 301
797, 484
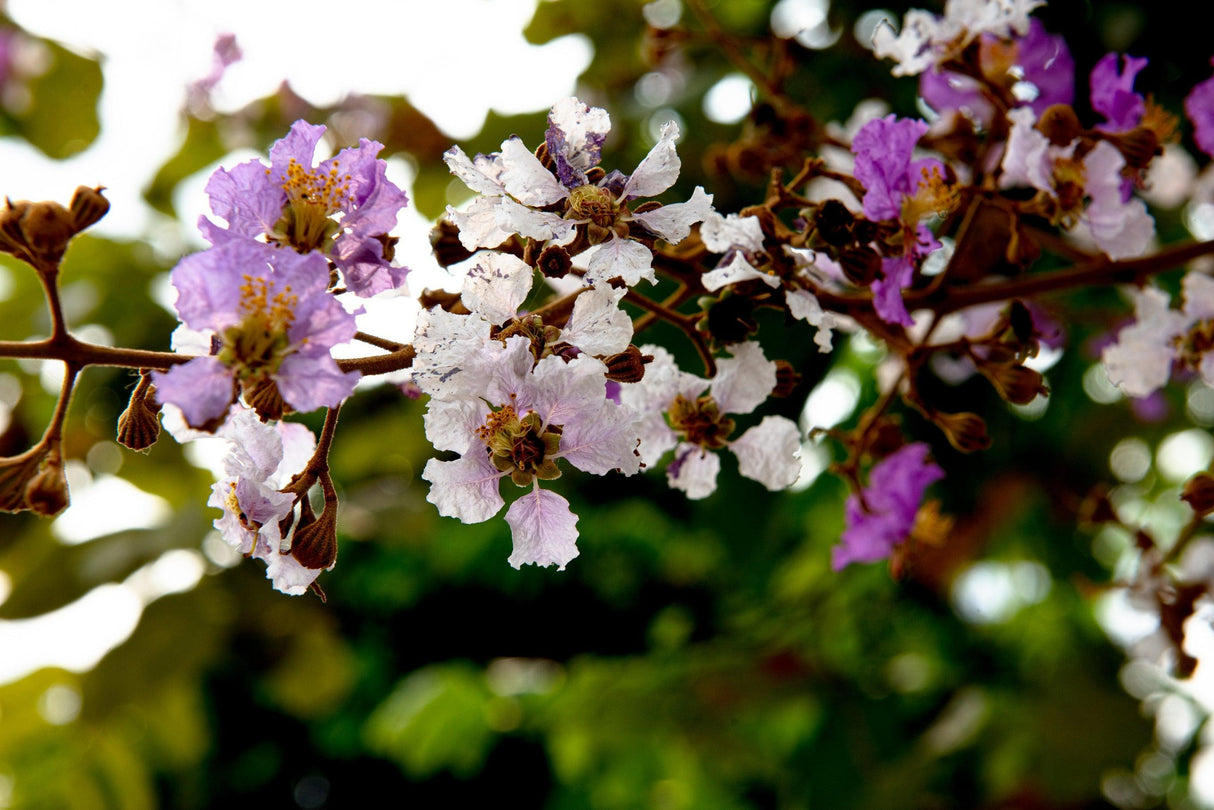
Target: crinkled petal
288, 575
770, 452
897, 273
745, 380
602, 439
450, 423
542, 225
202, 388
805, 305
660, 168
497, 285
1028, 159
1141, 359
451, 359
308, 383
1122, 229
732, 232
736, 270
544, 530
597, 325
245, 198
466, 488
629, 260
673, 222
575, 137
694, 470
482, 176
526, 179
478, 223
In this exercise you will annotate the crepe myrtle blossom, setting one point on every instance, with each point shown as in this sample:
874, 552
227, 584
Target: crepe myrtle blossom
1141, 359
1112, 92
1036, 68
884, 514
343, 207
516, 418
261, 459
1199, 107
927, 39
689, 414
1081, 186
521, 196
898, 187
740, 241
272, 322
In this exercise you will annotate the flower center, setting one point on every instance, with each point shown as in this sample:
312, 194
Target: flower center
1070, 177
233, 504
700, 421
256, 346
935, 195
520, 446
595, 204
312, 198
1193, 345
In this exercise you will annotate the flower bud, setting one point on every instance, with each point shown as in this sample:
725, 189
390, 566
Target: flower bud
46, 228
1199, 493
787, 379
315, 544
46, 493
965, 431
627, 366
834, 223
139, 424
1017, 384
88, 205
263, 396
554, 262
860, 265
1059, 124
444, 241
449, 301
1137, 146
1097, 508
15, 474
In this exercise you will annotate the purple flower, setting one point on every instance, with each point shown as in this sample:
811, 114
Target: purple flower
274, 322
1113, 93
1199, 106
6, 54
344, 207
1038, 59
226, 53
887, 513
897, 187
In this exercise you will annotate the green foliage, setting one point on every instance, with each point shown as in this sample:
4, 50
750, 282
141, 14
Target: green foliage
694, 656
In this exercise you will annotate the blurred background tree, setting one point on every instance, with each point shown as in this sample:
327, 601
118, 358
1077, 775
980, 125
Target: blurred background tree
695, 655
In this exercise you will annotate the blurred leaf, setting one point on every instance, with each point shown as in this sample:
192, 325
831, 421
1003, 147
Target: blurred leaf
61, 119
434, 719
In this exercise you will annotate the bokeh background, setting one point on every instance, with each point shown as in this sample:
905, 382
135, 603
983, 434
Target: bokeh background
696, 655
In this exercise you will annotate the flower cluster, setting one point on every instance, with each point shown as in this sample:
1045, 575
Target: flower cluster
923, 235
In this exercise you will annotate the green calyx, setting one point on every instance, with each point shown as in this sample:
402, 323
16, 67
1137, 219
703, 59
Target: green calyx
700, 421
521, 446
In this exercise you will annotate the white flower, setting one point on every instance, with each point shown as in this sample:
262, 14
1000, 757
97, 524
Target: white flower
517, 418
1141, 360
926, 39
261, 460
1120, 227
676, 414
518, 189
